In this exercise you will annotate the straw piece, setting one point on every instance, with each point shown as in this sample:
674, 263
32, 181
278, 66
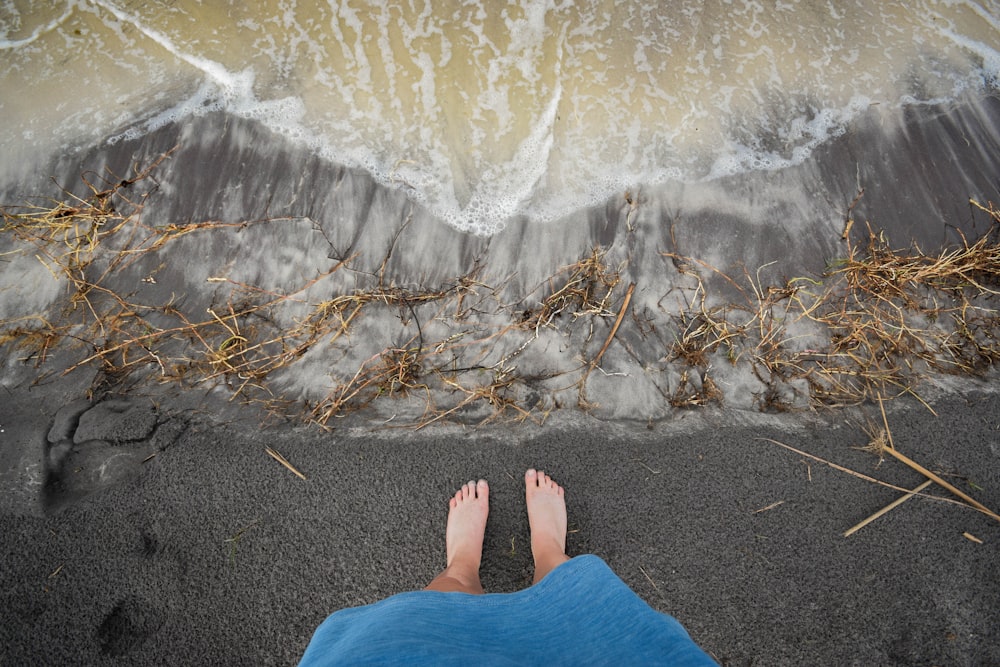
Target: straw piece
859, 475
650, 580
281, 459
888, 508
972, 538
927, 473
878, 321
769, 507
891, 449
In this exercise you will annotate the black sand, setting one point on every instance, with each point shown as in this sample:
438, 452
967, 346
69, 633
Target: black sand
213, 553
210, 552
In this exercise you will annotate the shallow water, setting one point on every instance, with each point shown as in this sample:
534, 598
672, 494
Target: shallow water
485, 111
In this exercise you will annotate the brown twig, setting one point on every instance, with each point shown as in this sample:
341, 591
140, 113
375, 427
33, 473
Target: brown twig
283, 461
618, 322
888, 508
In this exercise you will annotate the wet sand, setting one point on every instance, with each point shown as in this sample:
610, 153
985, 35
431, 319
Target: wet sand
265, 218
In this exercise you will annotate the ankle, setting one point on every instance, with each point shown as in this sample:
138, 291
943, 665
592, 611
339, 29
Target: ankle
464, 568
547, 546
453, 582
465, 564
544, 564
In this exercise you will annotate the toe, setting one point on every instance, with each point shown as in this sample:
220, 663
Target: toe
531, 477
482, 489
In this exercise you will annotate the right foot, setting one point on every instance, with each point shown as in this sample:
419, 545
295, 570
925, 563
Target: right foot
547, 518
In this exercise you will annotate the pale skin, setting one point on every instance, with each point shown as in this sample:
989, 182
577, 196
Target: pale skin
467, 513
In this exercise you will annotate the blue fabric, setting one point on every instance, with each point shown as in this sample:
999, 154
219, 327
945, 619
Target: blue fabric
580, 614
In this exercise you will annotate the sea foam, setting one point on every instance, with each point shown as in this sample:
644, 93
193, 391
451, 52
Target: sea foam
487, 113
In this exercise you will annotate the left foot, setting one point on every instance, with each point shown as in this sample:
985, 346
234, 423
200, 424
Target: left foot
464, 540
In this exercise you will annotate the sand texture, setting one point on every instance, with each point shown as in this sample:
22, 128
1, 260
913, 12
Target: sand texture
211, 290
212, 551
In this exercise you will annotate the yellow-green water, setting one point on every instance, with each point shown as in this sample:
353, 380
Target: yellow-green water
486, 110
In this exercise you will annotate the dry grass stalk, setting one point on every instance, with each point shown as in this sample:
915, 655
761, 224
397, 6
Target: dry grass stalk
861, 476
890, 318
879, 447
770, 507
880, 442
283, 461
888, 508
237, 343
695, 393
586, 289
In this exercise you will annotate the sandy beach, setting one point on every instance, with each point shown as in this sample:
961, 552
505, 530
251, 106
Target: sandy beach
185, 304
199, 547
145, 522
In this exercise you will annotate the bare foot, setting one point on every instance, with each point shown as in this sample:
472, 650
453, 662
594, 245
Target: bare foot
547, 519
467, 514
467, 523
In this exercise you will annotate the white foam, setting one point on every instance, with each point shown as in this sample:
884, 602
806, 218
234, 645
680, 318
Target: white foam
486, 112
500, 195
40, 30
989, 55
235, 87
802, 134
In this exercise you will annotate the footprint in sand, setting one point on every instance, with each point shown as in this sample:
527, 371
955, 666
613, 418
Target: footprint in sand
93, 446
127, 625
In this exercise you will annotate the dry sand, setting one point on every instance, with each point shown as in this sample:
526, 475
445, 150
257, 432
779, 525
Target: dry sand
213, 553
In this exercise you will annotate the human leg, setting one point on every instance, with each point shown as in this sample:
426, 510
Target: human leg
467, 514
547, 518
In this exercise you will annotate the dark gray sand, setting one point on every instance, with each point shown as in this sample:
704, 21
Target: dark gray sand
213, 553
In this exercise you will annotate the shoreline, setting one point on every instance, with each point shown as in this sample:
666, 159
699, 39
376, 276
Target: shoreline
147, 522
148, 277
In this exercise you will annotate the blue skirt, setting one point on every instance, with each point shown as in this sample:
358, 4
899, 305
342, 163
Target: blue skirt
580, 614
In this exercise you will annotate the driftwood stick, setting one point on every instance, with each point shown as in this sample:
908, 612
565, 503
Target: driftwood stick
618, 323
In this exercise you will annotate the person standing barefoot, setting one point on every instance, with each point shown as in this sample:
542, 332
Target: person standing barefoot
577, 611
